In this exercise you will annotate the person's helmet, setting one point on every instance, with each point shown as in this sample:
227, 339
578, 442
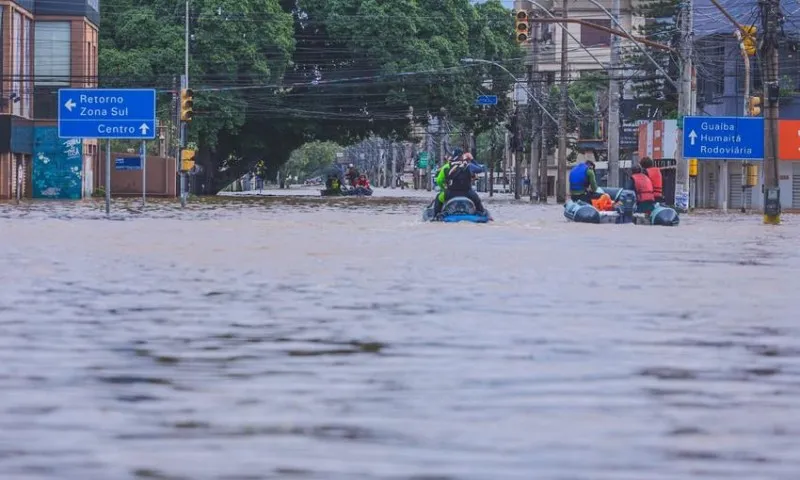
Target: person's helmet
457, 152
350, 166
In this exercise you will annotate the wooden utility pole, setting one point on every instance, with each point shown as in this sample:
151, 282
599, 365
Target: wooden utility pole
770, 14
561, 180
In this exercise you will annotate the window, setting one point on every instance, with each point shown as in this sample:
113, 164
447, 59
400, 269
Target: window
16, 68
52, 53
51, 66
27, 70
593, 37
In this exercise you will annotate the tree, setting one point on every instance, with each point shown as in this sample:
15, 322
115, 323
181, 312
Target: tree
656, 98
310, 159
271, 75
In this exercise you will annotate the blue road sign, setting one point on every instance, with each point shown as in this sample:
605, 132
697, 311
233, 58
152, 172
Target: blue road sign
723, 138
128, 163
486, 100
107, 113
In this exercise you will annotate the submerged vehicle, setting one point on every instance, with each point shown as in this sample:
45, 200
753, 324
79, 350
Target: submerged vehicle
457, 209
624, 211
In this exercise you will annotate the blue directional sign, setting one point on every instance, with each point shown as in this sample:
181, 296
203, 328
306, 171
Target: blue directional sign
128, 163
107, 113
486, 100
723, 138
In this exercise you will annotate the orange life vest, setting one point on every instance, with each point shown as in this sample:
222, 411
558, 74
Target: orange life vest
658, 182
603, 203
644, 188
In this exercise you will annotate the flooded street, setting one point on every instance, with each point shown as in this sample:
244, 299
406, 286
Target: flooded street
282, 338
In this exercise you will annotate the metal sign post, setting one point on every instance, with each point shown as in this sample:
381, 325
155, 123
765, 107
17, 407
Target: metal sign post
144, 173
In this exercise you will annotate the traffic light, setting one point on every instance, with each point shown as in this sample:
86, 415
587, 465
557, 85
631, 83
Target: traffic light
522, 26
749, 39
187, 105
753, 108
187, 160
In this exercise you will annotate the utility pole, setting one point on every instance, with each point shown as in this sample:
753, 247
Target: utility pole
561, 184
536, 119
394, 165
685, 104
745, 109
520, 151
183, 126
544, 150
492, 161
770, 14
613, 104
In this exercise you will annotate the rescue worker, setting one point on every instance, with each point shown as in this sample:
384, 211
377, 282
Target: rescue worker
352, 175
582, 182
456, 177
439, 179
641, 184
649, 168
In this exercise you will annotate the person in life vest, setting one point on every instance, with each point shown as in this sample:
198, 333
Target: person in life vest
641, 184
455, 179
362, 181
582, 182
352, 175
440, 180
649, 168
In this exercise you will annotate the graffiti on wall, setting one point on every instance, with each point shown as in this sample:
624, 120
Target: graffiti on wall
57, 165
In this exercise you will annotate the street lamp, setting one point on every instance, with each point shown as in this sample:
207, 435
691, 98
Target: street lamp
519, 82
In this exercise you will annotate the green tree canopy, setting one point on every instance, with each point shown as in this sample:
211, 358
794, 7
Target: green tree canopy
271, 75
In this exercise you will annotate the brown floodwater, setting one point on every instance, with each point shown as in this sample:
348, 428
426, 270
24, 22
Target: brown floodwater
309, 338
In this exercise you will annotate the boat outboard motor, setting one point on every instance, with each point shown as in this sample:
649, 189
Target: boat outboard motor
627, 205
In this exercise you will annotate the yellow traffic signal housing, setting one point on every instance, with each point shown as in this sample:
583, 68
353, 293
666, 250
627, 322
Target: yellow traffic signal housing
187, 160
753, 108
692, 167
187, 105
522, 26
749, 39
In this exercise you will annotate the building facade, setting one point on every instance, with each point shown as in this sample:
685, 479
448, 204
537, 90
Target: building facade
46, 45
721, 92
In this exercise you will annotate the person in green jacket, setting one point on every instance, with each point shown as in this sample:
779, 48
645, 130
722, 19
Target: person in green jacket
441, 182
582, 178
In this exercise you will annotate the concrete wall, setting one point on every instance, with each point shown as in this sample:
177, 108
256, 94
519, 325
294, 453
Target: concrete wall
161, 173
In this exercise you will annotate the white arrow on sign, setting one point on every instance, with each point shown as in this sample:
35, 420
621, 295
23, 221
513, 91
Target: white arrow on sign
70, 105
144, 128
692, 137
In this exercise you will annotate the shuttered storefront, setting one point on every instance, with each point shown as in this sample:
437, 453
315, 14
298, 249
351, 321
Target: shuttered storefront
735, 190
796, 185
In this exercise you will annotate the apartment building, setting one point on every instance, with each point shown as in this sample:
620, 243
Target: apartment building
46, 45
